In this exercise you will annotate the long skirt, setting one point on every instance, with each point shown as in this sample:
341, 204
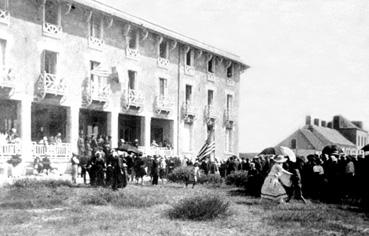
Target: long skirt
272, 189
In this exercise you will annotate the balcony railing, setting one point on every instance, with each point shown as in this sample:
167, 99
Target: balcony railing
189, 70
95, 43
163, 62
4, 16
211, 76
159, 151
210, 112
50, 84
10, 149
230, 82
7, 78
164, 104
133, 98
52, 30
58, 151
229, 118
189, 109
132, 53
228, 115
100, 92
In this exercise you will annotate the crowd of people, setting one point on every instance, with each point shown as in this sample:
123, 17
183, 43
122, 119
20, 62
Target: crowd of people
328, 177
107, 166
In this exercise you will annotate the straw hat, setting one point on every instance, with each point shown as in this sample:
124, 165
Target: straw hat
280, 159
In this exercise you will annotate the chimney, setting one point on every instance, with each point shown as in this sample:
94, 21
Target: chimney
324, 123
316, 121
336, 122
358, 124
329, 125
308, 120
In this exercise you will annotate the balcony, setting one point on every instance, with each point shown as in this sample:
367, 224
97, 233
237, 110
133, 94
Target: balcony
10, 149
163, 104
210, 113
159, 151
61, 151
189, 112
7, 78
211, 76
163, 62
50, 84
230, 82
133, 98
132, 53
100, 92
51, 30
95, 43
189, 70
229, 118
4, 17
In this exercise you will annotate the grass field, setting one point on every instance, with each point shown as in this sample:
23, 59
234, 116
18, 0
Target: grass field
143, 210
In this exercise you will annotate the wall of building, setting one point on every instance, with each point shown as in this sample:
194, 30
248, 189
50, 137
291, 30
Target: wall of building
26, 44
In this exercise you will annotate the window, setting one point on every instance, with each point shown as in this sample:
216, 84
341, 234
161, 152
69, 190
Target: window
96, 81
230, 71
163, 49
2, 52
189, 58
49, 62
211, 65
51, 12
96, 27
293, 143
188, 93
4, 4
229, 102
210, 97
228, 141
162, 87
132, 79
132, 40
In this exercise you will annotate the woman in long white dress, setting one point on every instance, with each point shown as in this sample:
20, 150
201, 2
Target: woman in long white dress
272, 188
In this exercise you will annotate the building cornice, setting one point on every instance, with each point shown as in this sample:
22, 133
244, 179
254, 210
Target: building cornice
157, 29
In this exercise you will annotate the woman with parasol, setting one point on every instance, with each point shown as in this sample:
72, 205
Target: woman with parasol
272, 188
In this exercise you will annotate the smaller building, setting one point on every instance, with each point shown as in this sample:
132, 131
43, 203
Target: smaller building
313, 137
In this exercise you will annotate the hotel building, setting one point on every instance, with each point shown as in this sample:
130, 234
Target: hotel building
79, 65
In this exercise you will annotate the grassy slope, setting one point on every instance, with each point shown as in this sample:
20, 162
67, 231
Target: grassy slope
59, 211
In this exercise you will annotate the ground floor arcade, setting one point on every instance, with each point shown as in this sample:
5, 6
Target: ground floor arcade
61, 126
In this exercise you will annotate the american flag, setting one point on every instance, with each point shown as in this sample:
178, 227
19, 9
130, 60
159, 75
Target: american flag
208, 147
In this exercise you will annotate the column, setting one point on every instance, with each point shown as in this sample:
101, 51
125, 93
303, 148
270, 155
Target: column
174, 135
24, 119
24, 114
73, 127
113, 119
147, 132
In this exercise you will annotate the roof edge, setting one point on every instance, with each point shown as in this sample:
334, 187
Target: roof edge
159, 29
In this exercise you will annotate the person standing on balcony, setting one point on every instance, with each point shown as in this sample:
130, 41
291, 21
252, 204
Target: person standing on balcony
12, 136
58, 138
135, 143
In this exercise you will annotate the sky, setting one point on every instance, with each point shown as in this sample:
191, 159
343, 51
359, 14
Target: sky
306, 57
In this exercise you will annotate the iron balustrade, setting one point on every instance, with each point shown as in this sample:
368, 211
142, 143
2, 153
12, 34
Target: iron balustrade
52, 30
133, 97
7, 78
164, 103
